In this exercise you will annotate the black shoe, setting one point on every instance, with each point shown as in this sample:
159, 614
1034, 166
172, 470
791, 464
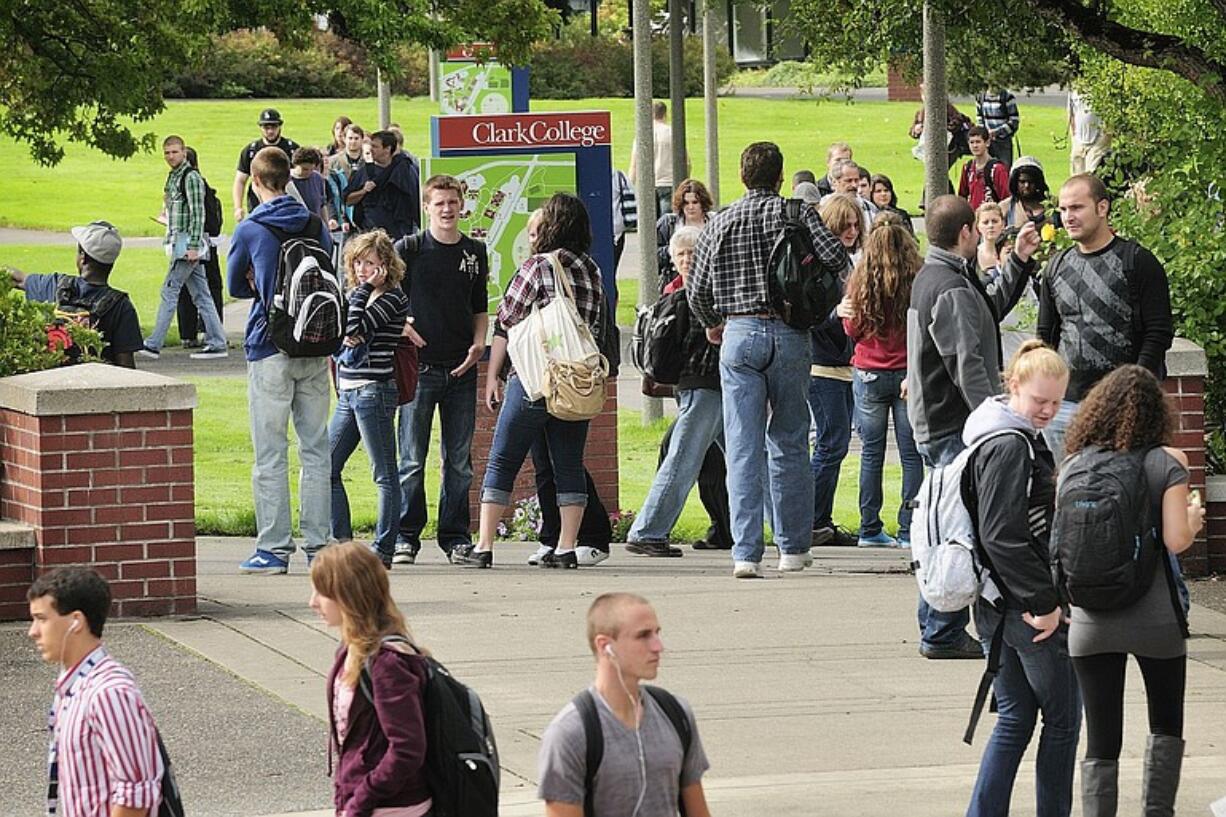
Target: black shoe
566, 560
966, 648
458, 552
704, 544
386, 558
835, 537
473, 558
652, 549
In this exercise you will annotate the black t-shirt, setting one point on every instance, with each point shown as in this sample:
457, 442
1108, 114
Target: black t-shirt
446, 285
119, 326
288, 146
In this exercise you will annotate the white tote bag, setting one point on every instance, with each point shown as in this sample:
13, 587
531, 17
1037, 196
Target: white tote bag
554, 331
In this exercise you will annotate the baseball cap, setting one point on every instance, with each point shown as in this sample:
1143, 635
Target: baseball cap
100, 240
807, 192
269, 116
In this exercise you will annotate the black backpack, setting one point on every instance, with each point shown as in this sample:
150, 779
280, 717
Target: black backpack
593, 735
71, 305
802, 289
657, 347
307, 318
461, 754
172, 802
214, 215
1105, 532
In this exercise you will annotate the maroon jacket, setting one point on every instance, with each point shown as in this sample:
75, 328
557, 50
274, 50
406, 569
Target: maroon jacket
382, 761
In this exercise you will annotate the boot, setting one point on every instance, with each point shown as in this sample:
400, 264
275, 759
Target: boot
1099, 787
1160, 779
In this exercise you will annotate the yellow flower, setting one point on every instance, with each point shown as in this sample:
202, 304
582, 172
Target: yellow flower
1048, 232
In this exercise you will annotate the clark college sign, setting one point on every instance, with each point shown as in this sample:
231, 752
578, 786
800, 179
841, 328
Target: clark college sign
524, 131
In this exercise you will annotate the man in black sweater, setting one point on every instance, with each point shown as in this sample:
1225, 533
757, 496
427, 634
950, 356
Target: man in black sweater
1103, 303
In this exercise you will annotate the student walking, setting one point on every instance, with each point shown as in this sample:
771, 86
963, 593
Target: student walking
1125, 425
874, 313
367, 396
376, 723
1012, 479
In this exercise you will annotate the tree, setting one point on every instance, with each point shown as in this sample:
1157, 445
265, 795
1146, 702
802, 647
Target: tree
77, 72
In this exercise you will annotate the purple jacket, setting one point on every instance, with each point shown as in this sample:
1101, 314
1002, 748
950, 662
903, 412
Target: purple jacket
382, 761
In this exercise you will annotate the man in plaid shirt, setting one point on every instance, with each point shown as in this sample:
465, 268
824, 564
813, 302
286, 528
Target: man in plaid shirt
997, 112
188, 249
764, 363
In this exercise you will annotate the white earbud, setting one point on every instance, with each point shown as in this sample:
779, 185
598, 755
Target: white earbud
608, 650
76, 625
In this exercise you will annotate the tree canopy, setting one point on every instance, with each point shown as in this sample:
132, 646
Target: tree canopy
79, 72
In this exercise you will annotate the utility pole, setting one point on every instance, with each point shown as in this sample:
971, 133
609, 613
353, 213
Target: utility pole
385, 100
710, 99
645, 176
676, 87
936, 101
433, 72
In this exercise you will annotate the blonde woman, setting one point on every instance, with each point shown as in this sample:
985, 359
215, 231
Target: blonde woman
1012, 476
367, 397
376, 728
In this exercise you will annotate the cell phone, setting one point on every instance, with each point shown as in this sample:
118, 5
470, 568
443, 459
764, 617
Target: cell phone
1053, 217
1194, 497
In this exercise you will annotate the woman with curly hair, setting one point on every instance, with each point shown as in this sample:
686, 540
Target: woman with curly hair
692, 205
376, 725
1127, 415
874, 313
367, 397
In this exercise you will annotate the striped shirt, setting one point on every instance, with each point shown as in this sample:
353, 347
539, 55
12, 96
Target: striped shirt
185, 213
998, 113
379, 324
103, 742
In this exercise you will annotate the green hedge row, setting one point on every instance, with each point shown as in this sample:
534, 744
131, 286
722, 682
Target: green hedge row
253, 63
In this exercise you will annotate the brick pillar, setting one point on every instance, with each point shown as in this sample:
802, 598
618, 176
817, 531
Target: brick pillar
898, 88
1215, 523
599, 457
1185, 385
98, 463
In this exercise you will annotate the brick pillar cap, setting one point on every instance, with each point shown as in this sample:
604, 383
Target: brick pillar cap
1184, 359
1215, 488
94, 388
16, 536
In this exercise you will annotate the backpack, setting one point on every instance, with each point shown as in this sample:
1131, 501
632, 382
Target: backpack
992, 194
593, 735
802, 290
214, 215
1105, 531
461, 754
172, 801
628, 203
944, 541
70, 305
657, 346
307, 318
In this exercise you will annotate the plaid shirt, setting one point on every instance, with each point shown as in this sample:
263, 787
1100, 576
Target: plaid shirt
533, 285
728, 276
998, 113
185, 214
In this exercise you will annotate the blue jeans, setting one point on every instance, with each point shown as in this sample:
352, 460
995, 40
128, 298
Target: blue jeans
456, 401
700, 422
280, 387
939, 629
764, 369
832, 404
520, 423
186, 273
877, 399
1033, 678
367, 412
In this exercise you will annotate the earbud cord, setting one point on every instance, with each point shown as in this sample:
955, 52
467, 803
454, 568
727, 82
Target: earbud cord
638, 736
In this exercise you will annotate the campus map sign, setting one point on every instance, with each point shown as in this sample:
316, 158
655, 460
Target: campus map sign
500, 192
471, 81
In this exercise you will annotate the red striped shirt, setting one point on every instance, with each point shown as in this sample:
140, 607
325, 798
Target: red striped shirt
105, 743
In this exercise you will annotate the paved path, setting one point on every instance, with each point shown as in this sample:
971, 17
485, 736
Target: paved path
810, 696
1052, 96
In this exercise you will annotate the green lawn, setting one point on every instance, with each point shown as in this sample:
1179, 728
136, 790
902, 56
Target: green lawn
223, 470
87, 185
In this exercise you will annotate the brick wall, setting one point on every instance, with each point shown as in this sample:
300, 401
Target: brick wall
899, 89
16, 573
1188, 394
1215, 523
114, 491
600, 456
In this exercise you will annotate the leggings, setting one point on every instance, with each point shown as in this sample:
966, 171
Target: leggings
1101, 678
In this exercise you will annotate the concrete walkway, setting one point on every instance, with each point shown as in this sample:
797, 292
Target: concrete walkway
810, 696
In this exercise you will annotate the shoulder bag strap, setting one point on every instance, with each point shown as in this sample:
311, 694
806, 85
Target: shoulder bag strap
676, 716
594, 752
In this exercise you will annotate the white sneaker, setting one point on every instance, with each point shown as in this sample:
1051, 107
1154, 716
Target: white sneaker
746, 570
589, 556
541, 552
794, 562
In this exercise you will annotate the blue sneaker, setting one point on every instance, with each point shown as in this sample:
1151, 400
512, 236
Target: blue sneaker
264, 562
881, 539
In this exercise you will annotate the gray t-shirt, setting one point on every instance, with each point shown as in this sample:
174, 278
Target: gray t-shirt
1150, 627
563, 761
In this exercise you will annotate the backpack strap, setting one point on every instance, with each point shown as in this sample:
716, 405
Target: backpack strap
593, 735
676, 716
311, 229
792, 209
987, 178
1128, 256
364, 681
410, 247
986, 680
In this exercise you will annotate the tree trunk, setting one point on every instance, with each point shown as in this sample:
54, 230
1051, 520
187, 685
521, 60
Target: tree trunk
385, 100
936, 102
645, 176
710, 99
676, 87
